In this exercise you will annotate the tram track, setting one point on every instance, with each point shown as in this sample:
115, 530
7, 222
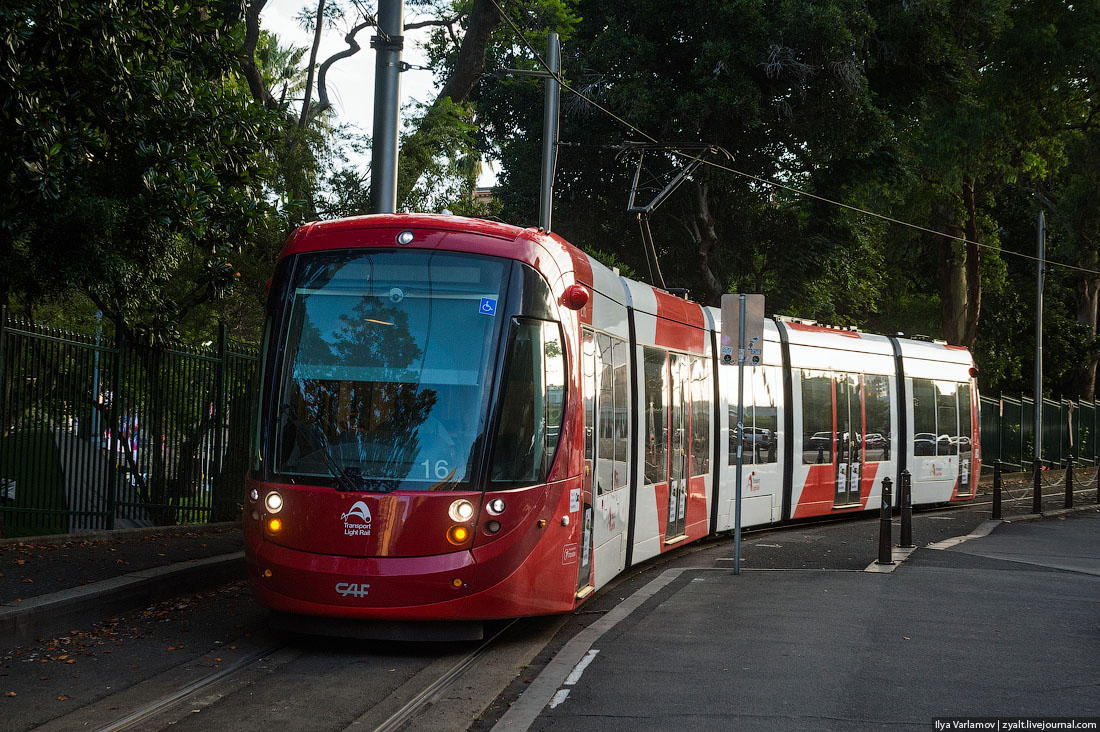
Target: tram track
204, 693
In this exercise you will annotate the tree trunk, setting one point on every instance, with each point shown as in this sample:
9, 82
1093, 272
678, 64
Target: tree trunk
706, 241
959, 273
1088, 297
417, 153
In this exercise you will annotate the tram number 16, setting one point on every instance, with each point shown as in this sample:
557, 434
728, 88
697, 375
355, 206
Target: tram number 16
442, 469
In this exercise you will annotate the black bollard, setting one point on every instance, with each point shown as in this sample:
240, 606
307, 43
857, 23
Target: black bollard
996, 490
905, 540
885, 554
1069, 482
1037, 487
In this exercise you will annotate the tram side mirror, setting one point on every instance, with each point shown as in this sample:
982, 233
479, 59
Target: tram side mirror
754, 329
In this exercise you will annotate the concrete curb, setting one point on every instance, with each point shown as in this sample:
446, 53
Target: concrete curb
57, 612
115, 534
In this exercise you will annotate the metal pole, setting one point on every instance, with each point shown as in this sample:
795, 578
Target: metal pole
997, 479
387, 68
740, 435
1069, 482
1037, 499
905, 539
550, 131
885, 555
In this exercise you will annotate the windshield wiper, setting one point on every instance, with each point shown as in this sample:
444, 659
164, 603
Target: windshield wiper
317, 440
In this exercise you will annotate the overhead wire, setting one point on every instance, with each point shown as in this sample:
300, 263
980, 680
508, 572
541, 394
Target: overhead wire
775, 184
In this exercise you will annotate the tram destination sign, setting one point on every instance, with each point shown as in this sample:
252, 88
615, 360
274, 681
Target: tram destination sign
754, 329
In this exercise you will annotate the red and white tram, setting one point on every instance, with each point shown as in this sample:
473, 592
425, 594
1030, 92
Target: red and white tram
464, 420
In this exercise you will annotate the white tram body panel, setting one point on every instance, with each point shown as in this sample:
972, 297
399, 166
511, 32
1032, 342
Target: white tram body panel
763, 456
941, 397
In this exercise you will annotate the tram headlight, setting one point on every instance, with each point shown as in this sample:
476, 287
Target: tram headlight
497, 506
405, 237
253, 495
274, 502
462, 510
458, 535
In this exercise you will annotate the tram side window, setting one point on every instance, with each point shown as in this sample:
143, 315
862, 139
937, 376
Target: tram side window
613, 413
701, 397
532, 403
588, 376
817, 417
761, 419
605, 410
924, 417
876, 408
947, 418
655, 417
621, 369
966, 423
765, 382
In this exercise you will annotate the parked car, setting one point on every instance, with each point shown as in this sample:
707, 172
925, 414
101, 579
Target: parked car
924, 443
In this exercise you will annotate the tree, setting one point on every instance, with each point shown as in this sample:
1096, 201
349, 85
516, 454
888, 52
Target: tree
115, 183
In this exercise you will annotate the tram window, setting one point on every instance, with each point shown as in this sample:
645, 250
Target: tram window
605, 408
701, 397
924, 417
947, 418
765, 381
621, 406
966, 423
655, 417
750, 431
817, 417
532, 402
588, 366
876, 408
385, 366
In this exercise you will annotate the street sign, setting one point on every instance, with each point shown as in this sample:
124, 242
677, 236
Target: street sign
754, 330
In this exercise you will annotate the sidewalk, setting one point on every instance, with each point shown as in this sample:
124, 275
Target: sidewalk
999, 626
50, 584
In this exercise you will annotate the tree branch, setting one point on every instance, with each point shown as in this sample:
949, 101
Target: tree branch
307, 99
251, 72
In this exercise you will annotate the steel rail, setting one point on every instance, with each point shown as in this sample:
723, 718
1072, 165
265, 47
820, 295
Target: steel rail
421, 699
166, 702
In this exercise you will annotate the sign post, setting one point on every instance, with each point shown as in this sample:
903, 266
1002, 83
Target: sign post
747, 311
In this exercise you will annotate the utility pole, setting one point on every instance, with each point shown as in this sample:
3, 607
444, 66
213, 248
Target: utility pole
550, 116
1037, 497
387, 68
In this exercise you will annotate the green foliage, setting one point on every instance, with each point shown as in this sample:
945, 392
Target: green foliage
134, 160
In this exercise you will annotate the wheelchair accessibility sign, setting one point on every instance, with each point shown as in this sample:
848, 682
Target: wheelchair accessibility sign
488, 306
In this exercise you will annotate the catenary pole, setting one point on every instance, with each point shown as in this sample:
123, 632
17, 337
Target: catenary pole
740, 436
387, 68
1037, 499
550, 117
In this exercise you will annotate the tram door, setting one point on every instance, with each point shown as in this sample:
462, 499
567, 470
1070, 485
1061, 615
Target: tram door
584, 504
849, 438
681, 441
965, 440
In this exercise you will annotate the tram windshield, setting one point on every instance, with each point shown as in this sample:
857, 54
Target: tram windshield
386, 365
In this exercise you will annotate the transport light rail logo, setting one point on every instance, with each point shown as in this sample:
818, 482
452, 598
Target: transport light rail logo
361, 527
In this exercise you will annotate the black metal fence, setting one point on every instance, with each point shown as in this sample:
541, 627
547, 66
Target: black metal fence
1069, 429
99, 433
